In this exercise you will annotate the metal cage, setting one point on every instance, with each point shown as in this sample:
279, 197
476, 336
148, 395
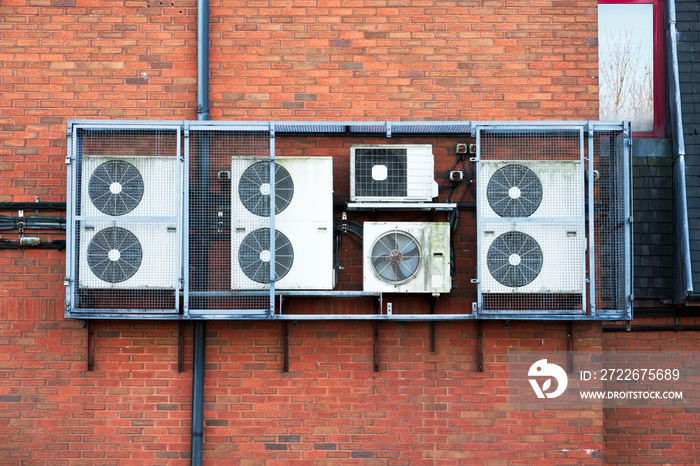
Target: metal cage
164, 223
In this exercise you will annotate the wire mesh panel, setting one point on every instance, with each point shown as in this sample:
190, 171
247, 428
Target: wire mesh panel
530, 216
126, 217
230, 253
612, 271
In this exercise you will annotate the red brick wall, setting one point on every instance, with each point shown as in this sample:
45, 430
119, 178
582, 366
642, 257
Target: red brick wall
655, 435
475, 59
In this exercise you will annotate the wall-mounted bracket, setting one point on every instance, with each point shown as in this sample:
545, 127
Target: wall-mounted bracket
570, 347
90, 345
479, 346
433, 300
375, 341
285, 351
181, 346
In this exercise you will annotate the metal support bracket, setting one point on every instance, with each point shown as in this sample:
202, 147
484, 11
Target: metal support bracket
479, 346
181, 346
90, 345
375, 338
433, 300
285, 360
570, 347
375, 341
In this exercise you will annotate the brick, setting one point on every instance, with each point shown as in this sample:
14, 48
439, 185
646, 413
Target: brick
325, 446
275, 446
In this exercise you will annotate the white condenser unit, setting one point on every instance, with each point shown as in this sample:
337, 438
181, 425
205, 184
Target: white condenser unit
392, 173
117, 250
118, 186
128, 255
303, 223
531, 257
530, 188
407, 257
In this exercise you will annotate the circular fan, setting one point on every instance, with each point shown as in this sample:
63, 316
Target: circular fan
254, 255
115, 188
396, 257
514, 191
254, 189
114, 254
514, 259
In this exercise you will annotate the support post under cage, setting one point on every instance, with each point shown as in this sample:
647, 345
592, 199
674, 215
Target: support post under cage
479, 346
375, 345
570, 347
285, 360
90, 345
180, 346
375, 339
433, 300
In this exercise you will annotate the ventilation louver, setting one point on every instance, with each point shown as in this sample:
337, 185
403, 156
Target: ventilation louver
115, 188
395, 257
254, 188
254, 255
514, 259
514, 191
114, 255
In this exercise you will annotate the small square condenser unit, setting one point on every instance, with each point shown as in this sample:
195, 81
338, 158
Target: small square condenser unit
303, 223
392, 173
406, 257
128, 238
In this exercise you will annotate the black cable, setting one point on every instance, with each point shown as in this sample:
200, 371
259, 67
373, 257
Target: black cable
47, 206
56, 244
345, 200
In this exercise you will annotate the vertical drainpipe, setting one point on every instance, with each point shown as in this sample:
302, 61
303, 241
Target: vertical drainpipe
683, 280
202, 244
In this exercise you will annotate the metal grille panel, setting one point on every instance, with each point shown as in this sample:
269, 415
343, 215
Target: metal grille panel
214, 284
126, 235
610, 219
531, 224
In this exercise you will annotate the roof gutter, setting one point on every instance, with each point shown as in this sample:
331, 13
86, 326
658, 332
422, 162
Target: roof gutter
683, 280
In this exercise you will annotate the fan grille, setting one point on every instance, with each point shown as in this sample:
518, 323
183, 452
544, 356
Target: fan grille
394, 161
396, 257
254, 255
115, 188
514, 259
114, 255
514, 191
254, 189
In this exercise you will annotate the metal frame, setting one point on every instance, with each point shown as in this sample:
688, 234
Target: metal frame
514, 126
71, 218
342, 128
225, 313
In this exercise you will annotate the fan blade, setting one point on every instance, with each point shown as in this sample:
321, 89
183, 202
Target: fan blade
410, 265
399, 275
